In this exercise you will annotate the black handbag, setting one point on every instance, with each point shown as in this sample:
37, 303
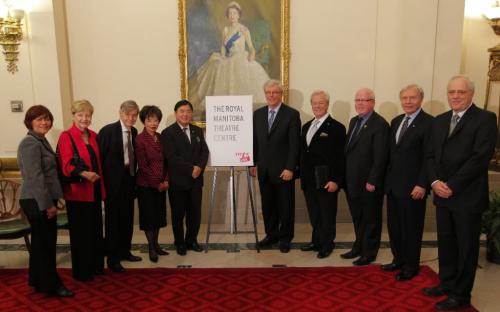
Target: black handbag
75, 161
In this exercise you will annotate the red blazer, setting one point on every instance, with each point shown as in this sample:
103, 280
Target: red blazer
83, 191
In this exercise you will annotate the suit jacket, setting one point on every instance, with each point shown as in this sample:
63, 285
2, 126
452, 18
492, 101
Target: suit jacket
461, 160
326, 149
38, 166
182, 155
366, 156
81, 191
110, 140
278, 149
406, 167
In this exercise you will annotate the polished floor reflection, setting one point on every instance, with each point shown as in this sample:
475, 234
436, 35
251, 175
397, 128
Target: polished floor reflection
229, 250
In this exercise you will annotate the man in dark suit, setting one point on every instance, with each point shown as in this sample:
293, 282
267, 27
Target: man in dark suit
276, 141
322, 172
116, 144
462, 144
186, 154
366, 154
406, 183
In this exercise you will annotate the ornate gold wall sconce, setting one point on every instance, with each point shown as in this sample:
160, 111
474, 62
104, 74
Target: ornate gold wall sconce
11, 34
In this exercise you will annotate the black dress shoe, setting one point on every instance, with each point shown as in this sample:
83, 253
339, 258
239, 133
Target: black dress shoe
116, 267
266, 242
84, 279
284, 247
452, 304
181, 250
434, 291
349, 255
390, 267
405, 275
99, 271
363, 261
324, 253
194, 247
153, 256
160, 251
62, 292
132, 258
310, 247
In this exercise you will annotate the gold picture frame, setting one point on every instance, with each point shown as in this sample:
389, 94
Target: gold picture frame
201, 28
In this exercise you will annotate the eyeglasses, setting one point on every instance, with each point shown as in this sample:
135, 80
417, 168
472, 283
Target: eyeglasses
363, 100
273, 92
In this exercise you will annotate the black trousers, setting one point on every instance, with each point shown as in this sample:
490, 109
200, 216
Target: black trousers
366, 215
278, 209
405, 224
185, 204
458, 250
42, 262
85, 234
322, 209
119, 221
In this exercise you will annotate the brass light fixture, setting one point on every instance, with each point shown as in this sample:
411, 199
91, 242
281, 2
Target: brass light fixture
11, 34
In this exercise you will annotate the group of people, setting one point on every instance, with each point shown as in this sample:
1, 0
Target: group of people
405, 161
113, 166
448, 154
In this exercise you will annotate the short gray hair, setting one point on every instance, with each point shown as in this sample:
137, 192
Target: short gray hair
273, 82
370, 92
415, 87
470, 83
129, 106
322, 93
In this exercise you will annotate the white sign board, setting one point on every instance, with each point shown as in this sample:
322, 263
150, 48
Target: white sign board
230, 130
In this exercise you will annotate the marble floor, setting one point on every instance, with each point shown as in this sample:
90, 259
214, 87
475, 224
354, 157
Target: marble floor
230, 250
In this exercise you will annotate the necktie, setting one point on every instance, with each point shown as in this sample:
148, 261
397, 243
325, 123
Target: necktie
270, 121
356, 129
312, 131
404, 127
130, 153
454, 122
186, 133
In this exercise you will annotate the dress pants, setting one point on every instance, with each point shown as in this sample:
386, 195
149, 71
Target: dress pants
458, 250
405, 223
322, 209
278, 209
42, 262
366, 215
185, 203
119, 221
85, 234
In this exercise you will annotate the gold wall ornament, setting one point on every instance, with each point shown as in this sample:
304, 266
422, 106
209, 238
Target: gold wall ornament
11, 34
273, 13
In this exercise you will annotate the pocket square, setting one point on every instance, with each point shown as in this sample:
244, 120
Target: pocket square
323, 135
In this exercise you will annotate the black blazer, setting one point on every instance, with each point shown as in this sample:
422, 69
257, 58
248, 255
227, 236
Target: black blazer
279, 149
406, 167
366, 156
110, 140
326, 149
462, 159
181, 156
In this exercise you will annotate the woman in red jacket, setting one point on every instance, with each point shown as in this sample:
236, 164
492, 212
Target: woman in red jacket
151, 180
83, 198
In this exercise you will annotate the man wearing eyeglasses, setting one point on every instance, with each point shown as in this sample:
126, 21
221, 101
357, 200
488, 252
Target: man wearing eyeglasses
366, 154
276, 137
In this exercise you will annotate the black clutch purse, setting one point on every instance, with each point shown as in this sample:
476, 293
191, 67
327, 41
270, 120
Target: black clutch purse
75, 161
321, 174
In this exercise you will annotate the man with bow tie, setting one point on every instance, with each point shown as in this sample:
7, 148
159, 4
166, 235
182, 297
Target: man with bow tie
322, 172
366, 154
406, 183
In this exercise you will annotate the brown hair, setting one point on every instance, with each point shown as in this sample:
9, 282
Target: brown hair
34, 112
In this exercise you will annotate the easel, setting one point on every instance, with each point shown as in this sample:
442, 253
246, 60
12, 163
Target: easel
233, 224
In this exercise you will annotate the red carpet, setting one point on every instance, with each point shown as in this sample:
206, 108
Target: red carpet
257, 289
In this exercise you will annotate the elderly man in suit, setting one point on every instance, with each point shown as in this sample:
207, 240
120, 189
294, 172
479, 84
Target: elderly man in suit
366, 154
276, 139
116, 144
462, 144
186, 154
406, 183
322, 172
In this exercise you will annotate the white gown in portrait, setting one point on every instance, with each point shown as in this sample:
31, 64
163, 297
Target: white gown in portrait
229, 73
